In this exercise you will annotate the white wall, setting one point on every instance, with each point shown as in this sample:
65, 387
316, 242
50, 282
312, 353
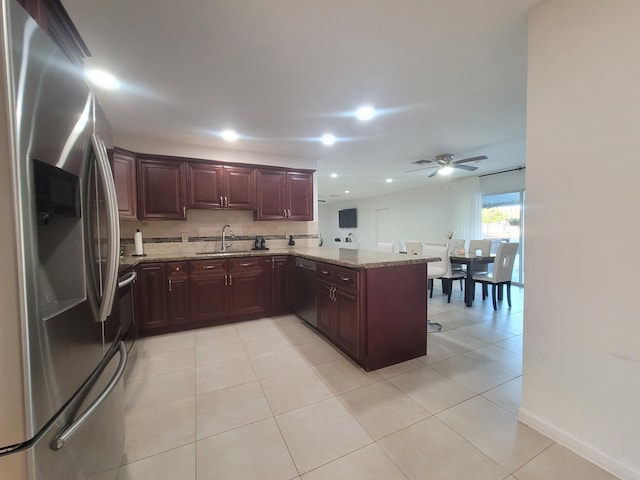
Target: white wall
419, 214
581, 375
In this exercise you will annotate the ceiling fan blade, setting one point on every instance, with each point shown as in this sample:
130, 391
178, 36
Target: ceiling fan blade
471, 159
433, 174
422, 162
417, 169
465, 167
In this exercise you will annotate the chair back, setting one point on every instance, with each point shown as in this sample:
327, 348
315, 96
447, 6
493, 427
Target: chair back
413, 247
437, 244
441, 267
503, 265
456, 244
483, 245
385, 247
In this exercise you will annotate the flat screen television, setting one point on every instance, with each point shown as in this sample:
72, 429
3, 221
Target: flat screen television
347, 218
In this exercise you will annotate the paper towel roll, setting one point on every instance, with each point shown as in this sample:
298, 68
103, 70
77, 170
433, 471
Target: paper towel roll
137, 242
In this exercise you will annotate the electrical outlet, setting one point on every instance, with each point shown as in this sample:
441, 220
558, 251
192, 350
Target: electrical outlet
185, 237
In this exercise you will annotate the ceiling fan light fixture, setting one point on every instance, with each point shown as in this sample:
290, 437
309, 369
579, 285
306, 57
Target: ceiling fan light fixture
365, 113
328, 139
446, 170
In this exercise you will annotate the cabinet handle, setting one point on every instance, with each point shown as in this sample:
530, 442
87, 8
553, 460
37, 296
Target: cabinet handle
345, 279
225, 279
246, 264
226, 201
208, 267
273, 262
221, 201
324, 272
184, 212
230, 280
169, 284
284, 212
288, 213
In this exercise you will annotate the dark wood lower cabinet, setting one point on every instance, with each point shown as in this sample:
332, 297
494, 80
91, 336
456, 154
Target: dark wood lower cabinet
377, 316
178, 294
151, 298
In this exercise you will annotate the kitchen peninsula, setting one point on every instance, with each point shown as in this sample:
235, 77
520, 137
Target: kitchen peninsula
371, 305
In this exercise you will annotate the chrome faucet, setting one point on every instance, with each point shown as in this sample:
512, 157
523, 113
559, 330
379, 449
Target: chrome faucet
226, 246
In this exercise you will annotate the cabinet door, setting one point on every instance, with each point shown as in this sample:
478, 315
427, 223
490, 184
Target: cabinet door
205, 182
246, 286
162, 187
326, 307
300, 196
347, 323
125, 178
151, 296
271, 187
280, 285
208, 290
239, 188
178, 295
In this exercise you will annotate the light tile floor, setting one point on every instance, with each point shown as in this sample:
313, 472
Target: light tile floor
271, 399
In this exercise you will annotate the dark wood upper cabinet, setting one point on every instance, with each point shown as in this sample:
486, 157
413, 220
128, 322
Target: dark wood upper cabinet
162, 189
54, 19
284, 195
221, 186
125, 178
300, 191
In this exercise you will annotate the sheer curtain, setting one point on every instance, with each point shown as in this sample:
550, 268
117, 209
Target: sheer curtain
467, 209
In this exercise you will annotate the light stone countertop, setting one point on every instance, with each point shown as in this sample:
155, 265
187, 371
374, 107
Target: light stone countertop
352, 258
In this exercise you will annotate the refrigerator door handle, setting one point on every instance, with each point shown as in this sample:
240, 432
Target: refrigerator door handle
113, 244
127, 279
65, 434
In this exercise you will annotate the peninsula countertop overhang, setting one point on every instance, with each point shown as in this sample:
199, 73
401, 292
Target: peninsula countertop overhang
351, 258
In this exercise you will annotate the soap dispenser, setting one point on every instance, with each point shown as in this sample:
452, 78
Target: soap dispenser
291, 241
256, 244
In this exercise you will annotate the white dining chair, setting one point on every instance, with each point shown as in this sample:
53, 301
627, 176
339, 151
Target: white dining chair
385, 247
413, 247
435, 270
502, 271
456, 245
483, 247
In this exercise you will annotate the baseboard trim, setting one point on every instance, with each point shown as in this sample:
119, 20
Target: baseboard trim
585, 450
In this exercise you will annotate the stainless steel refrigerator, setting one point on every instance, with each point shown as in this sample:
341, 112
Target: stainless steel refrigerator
61, 358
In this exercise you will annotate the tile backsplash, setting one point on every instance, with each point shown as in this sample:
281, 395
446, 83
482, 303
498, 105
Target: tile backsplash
204, 231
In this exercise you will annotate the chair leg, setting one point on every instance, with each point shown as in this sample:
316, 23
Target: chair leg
449, 289
461, 282
485, 291
509, 293
493, 295
430, 287
500, 292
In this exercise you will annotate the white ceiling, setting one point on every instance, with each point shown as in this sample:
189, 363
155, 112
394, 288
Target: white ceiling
448, 75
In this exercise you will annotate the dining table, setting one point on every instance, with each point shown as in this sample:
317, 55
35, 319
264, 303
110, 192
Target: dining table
470, 260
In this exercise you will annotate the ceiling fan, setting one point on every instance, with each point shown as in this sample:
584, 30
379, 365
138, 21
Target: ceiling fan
445, 160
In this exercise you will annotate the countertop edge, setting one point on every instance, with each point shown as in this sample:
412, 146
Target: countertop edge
390, 260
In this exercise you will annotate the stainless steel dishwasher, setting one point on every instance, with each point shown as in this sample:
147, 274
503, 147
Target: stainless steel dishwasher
305, 291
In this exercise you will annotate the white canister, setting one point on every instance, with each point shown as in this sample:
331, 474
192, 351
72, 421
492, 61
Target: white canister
137, 243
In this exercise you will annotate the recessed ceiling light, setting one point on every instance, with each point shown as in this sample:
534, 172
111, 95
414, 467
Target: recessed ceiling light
446, 171
334, 175
347, 191
328, 139
389, 180
365, 113
230, 135
102, 79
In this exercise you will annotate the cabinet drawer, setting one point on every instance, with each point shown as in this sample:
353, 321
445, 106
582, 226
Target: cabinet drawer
346, 277
339, 276
177, 269
208, 267
237, 265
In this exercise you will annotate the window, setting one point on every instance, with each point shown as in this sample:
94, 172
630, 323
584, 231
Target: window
503, 220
